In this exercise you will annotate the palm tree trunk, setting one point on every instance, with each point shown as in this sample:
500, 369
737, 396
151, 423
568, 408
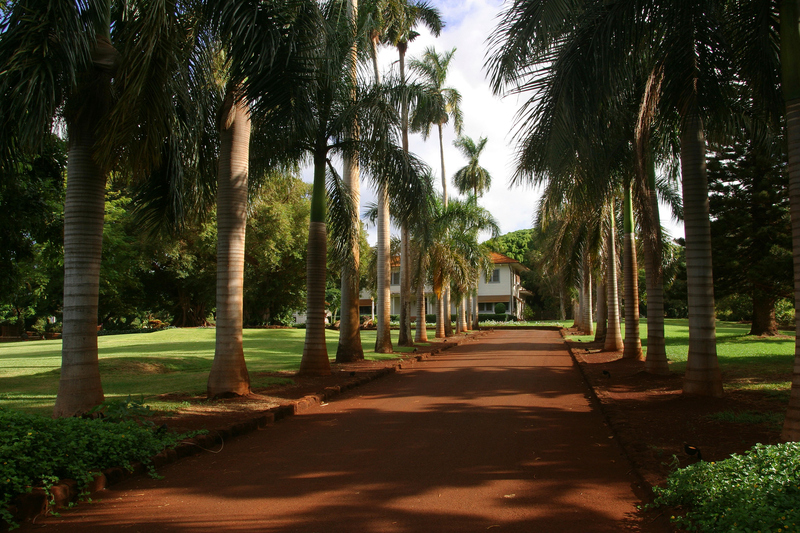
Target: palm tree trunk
440, 317
228, 371
576, 314
383, 341
79, 387
613, 341
462, 310
790, 64
469, 312
459, 317
404, 337
702, 376
587, 321
444, 176
475, 318
656, 361
315, 352
630, 273
448, 315
421, 334
600, 332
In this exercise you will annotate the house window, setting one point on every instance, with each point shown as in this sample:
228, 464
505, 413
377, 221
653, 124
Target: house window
396, 277
486, 307
494, 277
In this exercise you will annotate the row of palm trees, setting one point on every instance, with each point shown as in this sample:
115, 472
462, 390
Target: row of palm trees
177, 93
619, 88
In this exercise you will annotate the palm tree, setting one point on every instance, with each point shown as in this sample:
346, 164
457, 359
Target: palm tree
449, 251
350, 348
437, 107
440, 104
472, 177
58, 62
393, 23
263, 77
476, 179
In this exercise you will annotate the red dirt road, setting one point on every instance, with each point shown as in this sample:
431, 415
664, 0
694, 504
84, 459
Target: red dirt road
496, 435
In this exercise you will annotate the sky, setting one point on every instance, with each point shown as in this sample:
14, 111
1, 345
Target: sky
468, 24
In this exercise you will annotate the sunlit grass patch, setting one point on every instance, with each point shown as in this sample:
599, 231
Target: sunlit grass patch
172, 361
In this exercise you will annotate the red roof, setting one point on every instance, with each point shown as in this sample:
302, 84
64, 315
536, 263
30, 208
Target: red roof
500, 259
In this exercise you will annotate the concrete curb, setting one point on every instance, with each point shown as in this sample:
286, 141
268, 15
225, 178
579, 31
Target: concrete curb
27, 507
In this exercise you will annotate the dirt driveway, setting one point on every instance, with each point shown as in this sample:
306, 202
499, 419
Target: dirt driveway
498, 434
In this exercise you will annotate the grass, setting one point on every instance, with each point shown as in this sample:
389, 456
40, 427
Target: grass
747, 362
169, 361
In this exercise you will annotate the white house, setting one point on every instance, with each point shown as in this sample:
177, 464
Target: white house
502, 285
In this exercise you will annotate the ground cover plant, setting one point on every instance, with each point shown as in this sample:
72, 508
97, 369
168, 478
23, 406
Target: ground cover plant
747, 362
756, 491
37, 451
171, 361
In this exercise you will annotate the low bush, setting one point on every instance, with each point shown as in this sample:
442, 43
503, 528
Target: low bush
38, 451
502, 317
757, 491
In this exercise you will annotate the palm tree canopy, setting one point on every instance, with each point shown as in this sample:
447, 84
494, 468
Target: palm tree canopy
437, 104
472, 178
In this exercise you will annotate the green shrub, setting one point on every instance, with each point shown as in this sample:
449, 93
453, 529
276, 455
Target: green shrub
483, 317
499, 308
757, 491
38, 451
784, 313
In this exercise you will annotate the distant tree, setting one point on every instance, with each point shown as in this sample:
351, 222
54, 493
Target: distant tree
472, 177
516, 245
31, 269
277, 237
750, 229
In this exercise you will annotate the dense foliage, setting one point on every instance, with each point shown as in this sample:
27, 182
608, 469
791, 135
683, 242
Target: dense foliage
149, 279
757, 491
38, 451
31, 241
751, 233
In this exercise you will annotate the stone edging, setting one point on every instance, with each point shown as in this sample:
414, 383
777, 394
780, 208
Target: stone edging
27, 507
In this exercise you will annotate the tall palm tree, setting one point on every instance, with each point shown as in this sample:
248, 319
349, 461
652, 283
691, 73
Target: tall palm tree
472, 177
350, 348
59, 61
438, 105
263, 77
393, 23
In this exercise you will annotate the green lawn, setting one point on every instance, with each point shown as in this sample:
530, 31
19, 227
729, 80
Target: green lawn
746, 362
150, 364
